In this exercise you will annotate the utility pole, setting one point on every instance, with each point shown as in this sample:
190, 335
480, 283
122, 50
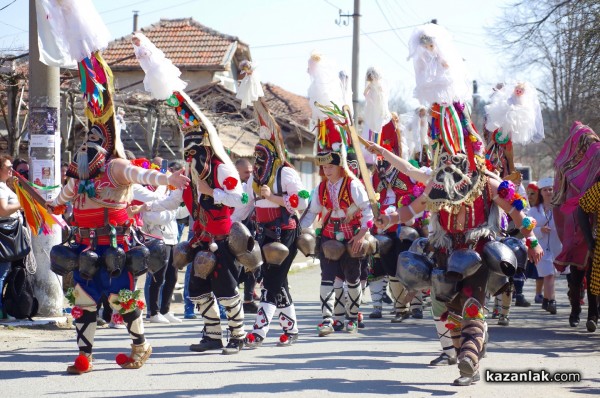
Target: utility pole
355, 53
44, 162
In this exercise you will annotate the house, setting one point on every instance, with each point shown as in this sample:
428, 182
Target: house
202, 54
209, 62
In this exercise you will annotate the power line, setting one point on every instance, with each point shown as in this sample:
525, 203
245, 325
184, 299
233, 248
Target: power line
331, 38
7, 5
385, 52
389, 23
154, 11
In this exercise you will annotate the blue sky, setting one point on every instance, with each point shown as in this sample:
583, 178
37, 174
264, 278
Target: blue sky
282, 33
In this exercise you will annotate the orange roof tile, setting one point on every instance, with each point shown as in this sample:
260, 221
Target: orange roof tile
186, 42
284, 102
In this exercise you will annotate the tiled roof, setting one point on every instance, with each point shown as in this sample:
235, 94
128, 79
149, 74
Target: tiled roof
186, 42
283, 102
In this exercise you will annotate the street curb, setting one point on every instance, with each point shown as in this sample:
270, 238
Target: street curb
61, 320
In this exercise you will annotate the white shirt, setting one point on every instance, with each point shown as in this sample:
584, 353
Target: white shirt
359, 198
291, 183
233, 197
11, 198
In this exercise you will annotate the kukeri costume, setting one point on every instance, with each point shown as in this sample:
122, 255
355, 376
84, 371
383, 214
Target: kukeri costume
215, 270
577, 168
343, 208
104, 256
276, 225
464, 203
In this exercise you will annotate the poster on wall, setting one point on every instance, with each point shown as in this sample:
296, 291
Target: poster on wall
43, 172
43, 121
44, 160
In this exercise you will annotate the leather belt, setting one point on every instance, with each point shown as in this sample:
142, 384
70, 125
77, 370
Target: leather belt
102, 231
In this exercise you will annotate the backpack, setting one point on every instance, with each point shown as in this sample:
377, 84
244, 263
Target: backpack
18, 299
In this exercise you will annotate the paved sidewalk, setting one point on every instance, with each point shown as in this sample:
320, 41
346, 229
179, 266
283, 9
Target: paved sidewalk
383, 359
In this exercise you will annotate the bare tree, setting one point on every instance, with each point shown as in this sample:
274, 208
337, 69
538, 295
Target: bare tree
558, 42
12, 88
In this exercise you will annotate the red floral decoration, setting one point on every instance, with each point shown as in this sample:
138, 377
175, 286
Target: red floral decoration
82, 363
117, 318
283, 338
251, 338
141, 162
444, 316
141, 305
472, 310
450, 326
294, 200
230, 183
76, 312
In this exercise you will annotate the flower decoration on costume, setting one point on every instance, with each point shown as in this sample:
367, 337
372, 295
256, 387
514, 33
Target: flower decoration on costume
141, 162
529, 223
418, 189
76, 312
318, 231
230, 183
129, 301
531, 243
370, 224
304, 194
71, 295
244, 198
506, 190
519, 202
489, 165
283, 338
452, 320
405, 200
473, 310
294, 200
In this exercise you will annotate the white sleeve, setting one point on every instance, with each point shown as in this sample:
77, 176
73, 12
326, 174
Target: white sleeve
313, 209
291, 183
242, 212
145, 195
360, 198
169, 203
229, 197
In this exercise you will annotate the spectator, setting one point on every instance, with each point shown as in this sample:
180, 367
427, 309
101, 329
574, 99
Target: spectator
22, 167
9, 208
545, 230
249, 279
533, 193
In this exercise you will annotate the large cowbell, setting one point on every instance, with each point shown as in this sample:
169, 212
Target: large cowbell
462, 263
63, 259
500, 258
520, 250
414, 270
244, 247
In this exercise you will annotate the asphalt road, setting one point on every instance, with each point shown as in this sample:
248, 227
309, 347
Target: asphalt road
383, 359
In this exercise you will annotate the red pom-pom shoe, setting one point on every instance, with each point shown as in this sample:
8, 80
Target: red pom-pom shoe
82, 364
139, 355
287, 339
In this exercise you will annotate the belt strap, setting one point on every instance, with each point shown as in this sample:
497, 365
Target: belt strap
88, 233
